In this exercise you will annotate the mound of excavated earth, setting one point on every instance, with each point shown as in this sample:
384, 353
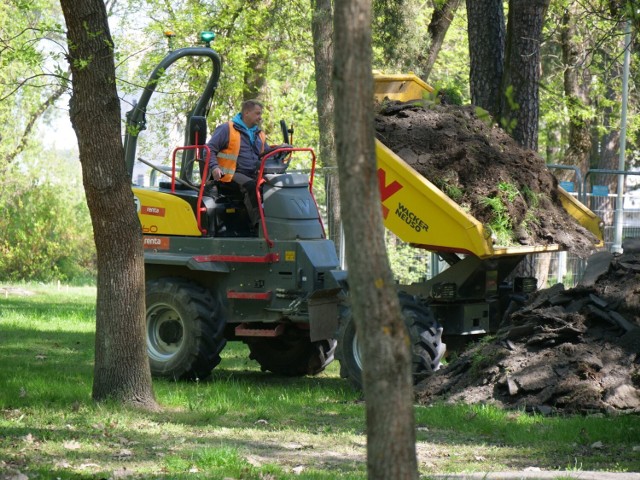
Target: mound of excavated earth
471, 160
575, 350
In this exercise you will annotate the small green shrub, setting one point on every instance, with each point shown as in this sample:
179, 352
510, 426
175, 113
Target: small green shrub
454, 192
45, 228
508, 190
500, 224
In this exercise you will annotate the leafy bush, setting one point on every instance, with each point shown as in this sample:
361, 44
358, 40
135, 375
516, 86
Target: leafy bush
45, 226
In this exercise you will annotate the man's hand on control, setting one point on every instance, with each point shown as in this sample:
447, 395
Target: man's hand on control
216, 173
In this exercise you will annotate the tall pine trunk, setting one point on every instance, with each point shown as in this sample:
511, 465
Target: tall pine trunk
520, 102
322, 30
121, 369
387, 379
486, 32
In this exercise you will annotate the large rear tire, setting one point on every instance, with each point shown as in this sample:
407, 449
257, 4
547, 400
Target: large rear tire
292, 354
425, 334
185, 329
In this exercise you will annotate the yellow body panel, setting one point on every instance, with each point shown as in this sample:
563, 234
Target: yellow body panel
582, 214
419, 213
402, 87
164, 214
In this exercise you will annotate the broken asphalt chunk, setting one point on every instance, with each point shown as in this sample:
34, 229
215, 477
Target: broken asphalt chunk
597, 265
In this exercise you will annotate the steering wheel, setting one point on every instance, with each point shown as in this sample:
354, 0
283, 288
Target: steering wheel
278, 162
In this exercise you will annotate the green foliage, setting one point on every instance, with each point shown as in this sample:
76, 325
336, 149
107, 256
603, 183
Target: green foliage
45, 227
30, 42
408, 264
82, 63
399, 34
508, 191
500, 225
390, 24
454, 192
598, 45
449, 93
451, 70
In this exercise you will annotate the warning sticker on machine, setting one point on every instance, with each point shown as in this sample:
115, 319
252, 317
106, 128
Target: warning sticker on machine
411, 218
146, 210
156, 243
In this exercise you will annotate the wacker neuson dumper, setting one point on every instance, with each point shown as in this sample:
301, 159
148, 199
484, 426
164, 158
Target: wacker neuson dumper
210, 279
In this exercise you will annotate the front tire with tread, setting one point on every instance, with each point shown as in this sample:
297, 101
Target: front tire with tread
185, 329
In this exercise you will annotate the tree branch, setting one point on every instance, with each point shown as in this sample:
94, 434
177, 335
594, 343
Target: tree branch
31, 122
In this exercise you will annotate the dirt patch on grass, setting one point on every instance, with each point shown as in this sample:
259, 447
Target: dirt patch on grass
480, 167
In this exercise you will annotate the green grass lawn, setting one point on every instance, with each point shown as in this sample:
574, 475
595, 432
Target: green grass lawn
242, 423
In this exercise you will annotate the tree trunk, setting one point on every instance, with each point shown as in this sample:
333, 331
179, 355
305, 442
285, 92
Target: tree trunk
543, 262
486, 32
554, 151
255, 75
441, 19
322, 30
121, 369
520, 103
387, 379
576, 91
610, 140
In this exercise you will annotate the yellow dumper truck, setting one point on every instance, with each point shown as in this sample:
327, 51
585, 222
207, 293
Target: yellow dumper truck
211, 279
468, 298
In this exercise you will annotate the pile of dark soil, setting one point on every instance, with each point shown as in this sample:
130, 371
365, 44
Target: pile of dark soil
469, 159
574, 350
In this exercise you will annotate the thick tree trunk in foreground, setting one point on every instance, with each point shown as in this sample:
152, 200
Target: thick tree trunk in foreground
322, 29
486, 32
121, 366
387, 380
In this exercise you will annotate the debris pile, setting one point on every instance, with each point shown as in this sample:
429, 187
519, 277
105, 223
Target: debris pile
575, 350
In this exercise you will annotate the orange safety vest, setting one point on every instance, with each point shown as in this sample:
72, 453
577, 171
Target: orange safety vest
228, 157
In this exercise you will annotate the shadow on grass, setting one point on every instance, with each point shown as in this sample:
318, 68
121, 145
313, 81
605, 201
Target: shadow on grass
47, 372
44, 368
106, 449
